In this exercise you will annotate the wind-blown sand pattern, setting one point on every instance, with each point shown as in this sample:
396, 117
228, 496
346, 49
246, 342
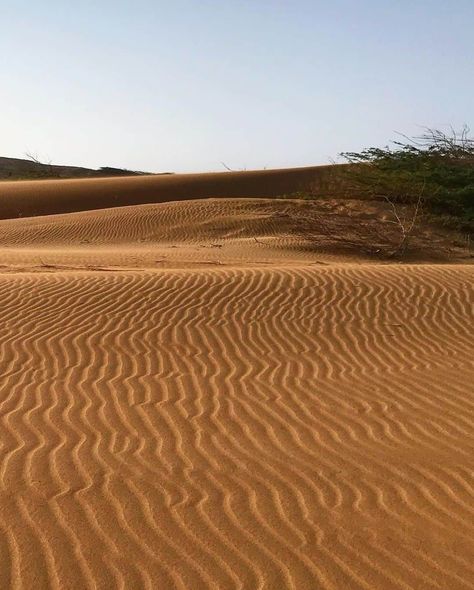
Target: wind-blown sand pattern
236, 425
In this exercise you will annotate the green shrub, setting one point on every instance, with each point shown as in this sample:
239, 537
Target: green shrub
436, 168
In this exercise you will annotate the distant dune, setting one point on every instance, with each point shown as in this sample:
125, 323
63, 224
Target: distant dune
62, 196
200, 389
28, 169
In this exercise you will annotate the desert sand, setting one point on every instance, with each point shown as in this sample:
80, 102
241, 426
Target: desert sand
200, 389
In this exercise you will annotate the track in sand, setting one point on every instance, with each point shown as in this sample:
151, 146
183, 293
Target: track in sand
286, 425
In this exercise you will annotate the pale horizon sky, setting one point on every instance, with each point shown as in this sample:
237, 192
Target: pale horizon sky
185, 85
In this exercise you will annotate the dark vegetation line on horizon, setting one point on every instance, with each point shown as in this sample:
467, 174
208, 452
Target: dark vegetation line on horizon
31, 168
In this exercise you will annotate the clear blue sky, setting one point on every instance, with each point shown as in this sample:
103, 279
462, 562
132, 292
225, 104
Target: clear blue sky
182, 85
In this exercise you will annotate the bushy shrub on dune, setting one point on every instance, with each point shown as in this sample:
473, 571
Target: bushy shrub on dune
435, 169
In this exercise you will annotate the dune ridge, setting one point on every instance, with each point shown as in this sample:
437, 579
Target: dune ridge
50, 197
285, 427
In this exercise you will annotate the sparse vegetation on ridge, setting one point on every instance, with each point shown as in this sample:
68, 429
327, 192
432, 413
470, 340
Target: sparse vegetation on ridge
435, 169
32, 168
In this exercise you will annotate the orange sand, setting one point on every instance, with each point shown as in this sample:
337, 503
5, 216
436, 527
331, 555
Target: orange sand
191, 398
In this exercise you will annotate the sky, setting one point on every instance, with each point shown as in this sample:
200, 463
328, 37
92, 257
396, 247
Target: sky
186, 85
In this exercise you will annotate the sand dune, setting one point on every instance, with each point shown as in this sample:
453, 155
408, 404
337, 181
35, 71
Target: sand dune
245, 417
46, 197
216, 231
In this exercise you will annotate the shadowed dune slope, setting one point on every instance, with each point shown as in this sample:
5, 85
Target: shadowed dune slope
288, 427
46, 197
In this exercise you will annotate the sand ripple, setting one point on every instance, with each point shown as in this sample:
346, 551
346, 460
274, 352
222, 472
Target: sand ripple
305, 427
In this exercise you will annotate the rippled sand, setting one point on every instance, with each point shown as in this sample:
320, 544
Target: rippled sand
191, 398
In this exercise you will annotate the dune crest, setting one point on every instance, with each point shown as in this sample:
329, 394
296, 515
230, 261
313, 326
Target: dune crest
51, 197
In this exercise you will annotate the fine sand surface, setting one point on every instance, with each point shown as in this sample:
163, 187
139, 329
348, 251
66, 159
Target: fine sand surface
194, 395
